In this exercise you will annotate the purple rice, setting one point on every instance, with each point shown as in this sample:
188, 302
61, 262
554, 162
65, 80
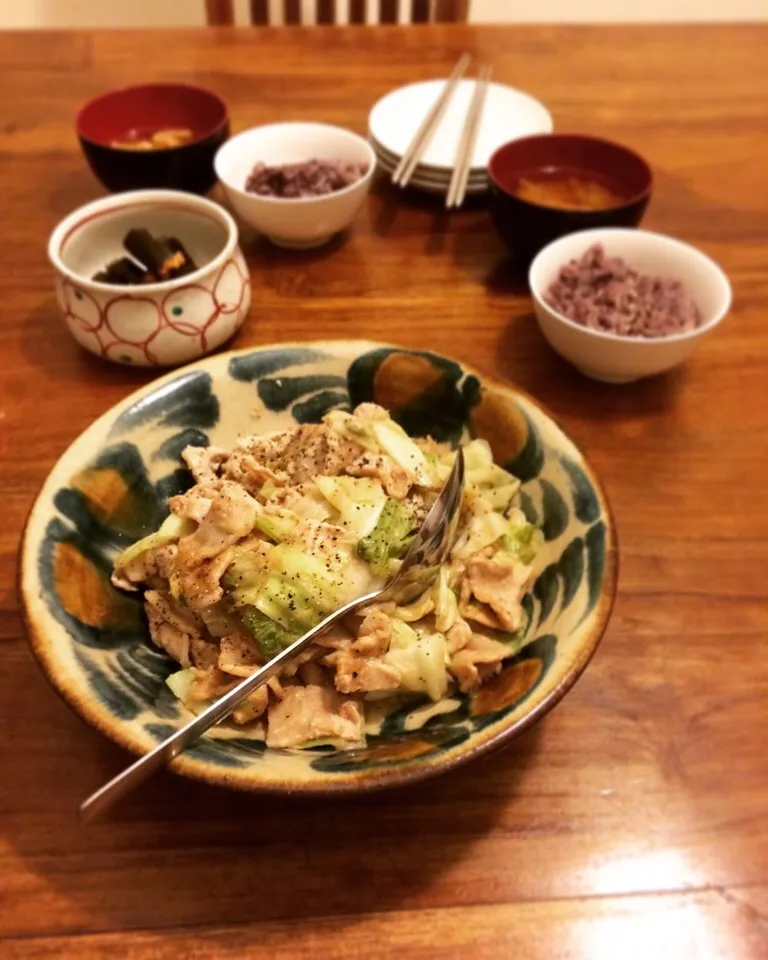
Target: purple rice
312, 178
607, 294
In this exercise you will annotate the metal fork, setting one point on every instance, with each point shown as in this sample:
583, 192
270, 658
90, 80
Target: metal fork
418, 570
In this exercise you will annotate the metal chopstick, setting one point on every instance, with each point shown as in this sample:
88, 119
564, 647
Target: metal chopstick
416, 147
463, 164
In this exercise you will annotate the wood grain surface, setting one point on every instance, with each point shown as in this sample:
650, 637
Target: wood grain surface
632, 821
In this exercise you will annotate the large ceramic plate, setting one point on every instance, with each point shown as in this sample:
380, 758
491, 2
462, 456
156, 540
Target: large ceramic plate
111, 487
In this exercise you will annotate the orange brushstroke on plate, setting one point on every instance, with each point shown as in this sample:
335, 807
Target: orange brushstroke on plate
106, 490
402, 379
86, 594
399, 750
511, 684
498, 420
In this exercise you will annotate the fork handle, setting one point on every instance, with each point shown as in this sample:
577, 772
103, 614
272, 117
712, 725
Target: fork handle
164, 752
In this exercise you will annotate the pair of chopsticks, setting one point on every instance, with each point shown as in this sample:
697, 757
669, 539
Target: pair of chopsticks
463, 162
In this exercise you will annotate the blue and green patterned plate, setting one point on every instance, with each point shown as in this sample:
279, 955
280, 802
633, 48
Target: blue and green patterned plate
111, 487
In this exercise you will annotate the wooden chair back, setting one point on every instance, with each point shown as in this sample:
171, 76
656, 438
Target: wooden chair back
222, 12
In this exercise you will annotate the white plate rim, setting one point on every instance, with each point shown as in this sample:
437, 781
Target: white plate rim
546, 117
389, 162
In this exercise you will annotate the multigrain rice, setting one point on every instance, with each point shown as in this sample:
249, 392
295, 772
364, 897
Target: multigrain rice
607, 294
312, 178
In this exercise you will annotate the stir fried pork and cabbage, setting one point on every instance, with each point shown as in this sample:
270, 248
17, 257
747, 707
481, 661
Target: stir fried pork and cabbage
285, 528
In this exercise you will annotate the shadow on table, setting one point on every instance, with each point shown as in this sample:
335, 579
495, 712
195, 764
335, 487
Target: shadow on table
508, 275
48, 347
261, 253
525, 358
391, 200
70, 189
179, 852
338, 269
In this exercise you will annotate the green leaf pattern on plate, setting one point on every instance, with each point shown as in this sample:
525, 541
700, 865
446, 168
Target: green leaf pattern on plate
290, 385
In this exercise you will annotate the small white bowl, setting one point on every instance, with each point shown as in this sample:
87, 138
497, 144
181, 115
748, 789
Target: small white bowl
302, 222
619, 359
155, 324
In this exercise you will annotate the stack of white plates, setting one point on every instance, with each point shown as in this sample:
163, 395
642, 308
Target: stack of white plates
508, 115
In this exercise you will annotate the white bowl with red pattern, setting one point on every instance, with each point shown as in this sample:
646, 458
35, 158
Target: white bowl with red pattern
154, 324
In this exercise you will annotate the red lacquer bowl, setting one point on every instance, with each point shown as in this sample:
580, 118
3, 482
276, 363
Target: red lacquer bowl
527, 227
148, 108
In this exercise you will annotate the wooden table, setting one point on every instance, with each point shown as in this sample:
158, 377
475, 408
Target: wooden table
632, 822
